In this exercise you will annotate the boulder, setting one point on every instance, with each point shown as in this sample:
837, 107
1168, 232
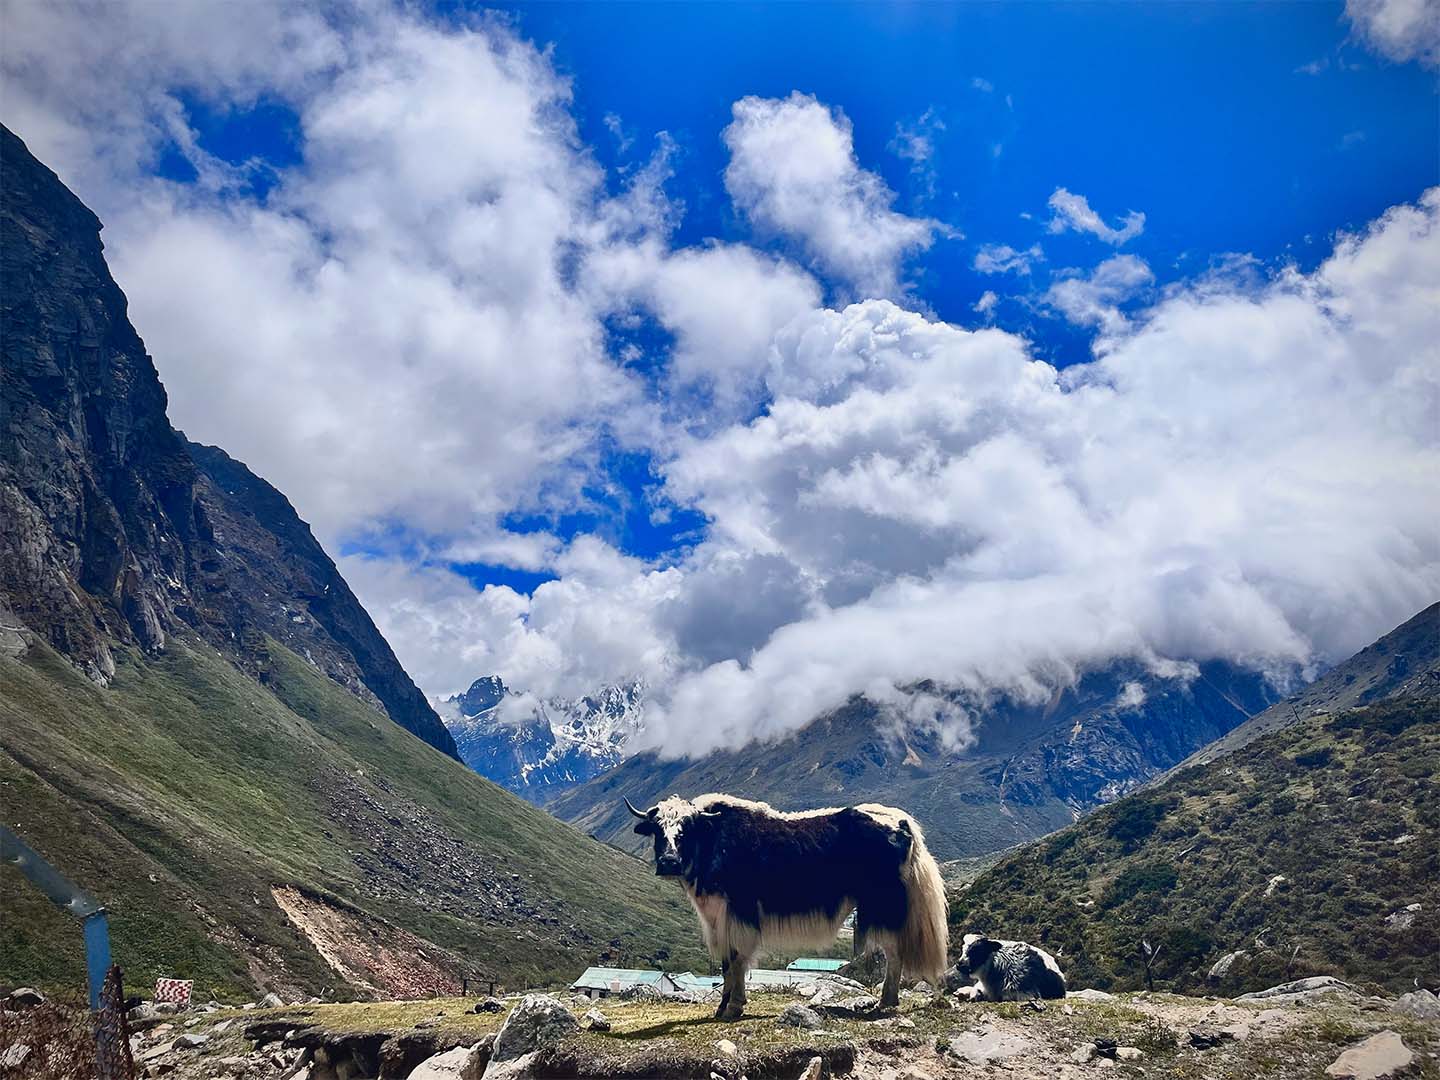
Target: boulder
272, 1001
490, 1005
537, 1021
24, 997
1083, 1053
1404, 918
856, 1006
1221, 967
222, 1027
800, 1016
641, 992
1090, 995
461, 1063
986, 1046
1379, 1056
14, 1057
1128, 1053
190, 1041
726, 1047
1301, 990
814, 1069
1421, 1003
595, 1020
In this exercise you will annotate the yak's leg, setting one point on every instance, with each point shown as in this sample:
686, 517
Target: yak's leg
890, 992
733, 1003
726, 966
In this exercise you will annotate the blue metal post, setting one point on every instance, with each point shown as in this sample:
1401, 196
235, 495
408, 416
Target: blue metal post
97, 953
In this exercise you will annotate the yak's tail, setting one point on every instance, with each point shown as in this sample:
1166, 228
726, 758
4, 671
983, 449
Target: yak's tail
925, 939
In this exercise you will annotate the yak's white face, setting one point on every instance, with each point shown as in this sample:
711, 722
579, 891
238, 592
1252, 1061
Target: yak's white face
666, 822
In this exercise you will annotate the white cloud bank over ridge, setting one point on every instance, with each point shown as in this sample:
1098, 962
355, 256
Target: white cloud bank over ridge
409, 330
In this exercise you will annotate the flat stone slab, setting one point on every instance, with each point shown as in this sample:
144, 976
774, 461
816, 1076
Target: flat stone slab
1379, 1056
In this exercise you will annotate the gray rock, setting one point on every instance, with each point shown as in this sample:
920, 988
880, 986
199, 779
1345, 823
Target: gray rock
1083, 1053
190, 1041
537, 1021
272, 1001
1421, 1003
1404, 918
461, 1063
1090, 995
800, 1016
14, 1057
1301, 990
24, 997
641, 992
814, 1069
1379, 1056
222, 1027
1222, 967
859, 1005
1128, 1053
986, 1046
595, 1020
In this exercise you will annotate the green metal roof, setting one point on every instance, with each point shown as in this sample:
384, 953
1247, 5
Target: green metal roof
815, 963
604, 978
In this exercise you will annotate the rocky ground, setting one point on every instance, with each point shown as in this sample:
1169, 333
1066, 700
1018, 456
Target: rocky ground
830, 1030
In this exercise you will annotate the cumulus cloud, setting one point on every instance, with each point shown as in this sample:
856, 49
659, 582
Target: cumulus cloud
1072, 212
1399, 29
409, 329
1158, 503
1094, 299
793, 171
1003, 259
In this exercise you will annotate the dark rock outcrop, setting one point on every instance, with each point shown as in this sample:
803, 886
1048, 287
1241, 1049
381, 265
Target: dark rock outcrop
116, 530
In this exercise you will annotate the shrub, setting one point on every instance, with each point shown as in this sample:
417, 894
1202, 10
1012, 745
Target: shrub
1133, 820
1151, 878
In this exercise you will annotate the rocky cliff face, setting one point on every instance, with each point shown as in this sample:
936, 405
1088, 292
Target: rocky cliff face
119, 532
543, 747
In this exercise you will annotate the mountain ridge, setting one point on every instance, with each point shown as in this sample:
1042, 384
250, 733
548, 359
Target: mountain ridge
1034, 768
124, 533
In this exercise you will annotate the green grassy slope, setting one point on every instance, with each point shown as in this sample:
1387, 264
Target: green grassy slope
183, 792
1327, 804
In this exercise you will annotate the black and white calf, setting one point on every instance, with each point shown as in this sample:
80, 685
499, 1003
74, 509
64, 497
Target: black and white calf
761, 879
1007, 970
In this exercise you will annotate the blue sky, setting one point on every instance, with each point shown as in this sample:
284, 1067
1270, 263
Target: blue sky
775, 353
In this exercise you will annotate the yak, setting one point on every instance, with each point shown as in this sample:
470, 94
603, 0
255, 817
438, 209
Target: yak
760, 878
1007, 970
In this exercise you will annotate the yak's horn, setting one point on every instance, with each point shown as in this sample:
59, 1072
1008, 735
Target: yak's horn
630, 806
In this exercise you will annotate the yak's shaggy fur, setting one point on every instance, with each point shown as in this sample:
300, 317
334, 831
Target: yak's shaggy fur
1008, 970
760, 878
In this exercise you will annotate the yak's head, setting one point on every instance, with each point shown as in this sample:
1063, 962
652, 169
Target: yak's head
975, 952
671, 823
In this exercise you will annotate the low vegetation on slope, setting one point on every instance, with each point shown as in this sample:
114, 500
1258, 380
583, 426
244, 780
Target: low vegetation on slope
1307, 851
194, 802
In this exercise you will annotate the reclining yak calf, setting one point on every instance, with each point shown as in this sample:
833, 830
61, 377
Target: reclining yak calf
762, 879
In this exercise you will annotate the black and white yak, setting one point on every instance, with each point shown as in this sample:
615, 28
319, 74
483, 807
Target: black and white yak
763, 879
1006, 970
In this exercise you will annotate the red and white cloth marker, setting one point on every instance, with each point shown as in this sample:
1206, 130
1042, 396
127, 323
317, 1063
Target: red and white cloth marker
176, 990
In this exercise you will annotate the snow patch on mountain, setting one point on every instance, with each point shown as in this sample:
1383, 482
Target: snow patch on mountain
536, 747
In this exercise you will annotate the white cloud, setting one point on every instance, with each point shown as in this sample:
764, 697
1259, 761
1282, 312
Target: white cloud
793, 171
1003, 259
1399, 29
1246, 475
986, 304
1095, 300
1071, 211
409, 331
723, 303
